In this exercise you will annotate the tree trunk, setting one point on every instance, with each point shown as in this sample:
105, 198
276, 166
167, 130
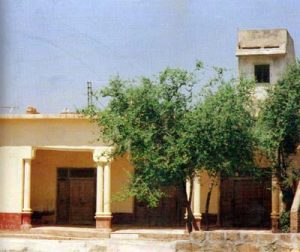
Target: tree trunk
281, 174
211, 186
190, 220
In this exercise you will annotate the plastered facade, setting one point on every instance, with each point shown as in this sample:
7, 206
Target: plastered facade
44, 178
69, 140
59, 141
11, 163
48, 131
271, 47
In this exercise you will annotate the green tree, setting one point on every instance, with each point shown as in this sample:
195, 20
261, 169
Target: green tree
147, 118
170, 136
278, 129
224, 129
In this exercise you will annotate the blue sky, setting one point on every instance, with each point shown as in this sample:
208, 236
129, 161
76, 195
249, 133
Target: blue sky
50, 49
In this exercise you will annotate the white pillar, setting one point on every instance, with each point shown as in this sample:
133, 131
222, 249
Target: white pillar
27, 184
197, 196
188, 188
101, 156
275, 203
107, 189
99, 193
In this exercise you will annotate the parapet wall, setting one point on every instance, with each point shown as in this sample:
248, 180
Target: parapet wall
240, 241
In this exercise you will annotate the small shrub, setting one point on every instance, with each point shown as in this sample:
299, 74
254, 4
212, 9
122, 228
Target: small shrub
284, 221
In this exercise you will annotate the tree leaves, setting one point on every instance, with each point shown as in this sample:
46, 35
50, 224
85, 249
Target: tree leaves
278, 124
224, 125
170, 136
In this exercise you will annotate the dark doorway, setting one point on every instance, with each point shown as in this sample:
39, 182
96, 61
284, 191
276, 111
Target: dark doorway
169, 212
245, 202
76, 196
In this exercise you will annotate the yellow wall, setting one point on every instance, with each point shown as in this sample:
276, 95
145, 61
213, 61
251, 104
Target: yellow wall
48, 132
120, 170
214, 200
58, 134
43, 183
44, 177
44, 180
11, 163
215, 197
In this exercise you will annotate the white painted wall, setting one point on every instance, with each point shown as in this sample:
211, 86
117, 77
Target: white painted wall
11, 163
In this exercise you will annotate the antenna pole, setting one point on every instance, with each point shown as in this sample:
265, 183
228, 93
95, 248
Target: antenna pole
89, 94
10, 108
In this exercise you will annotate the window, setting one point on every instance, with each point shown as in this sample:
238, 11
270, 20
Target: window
262, 73
65, 173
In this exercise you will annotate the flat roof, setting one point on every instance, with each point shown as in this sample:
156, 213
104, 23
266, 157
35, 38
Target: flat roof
262, 42
43, 116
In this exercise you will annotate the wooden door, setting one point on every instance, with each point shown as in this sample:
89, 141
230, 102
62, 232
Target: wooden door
168, 213
63, 201
76, 196
82, 201
245, 202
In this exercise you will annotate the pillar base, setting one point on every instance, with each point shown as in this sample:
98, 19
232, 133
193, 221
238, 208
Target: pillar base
275, 223
198, 222
26, 220
103, 222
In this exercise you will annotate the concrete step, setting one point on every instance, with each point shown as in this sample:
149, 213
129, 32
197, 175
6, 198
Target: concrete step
39, 236
149, 236
124, 236
163, 236
111, 245
74, 233
71, 233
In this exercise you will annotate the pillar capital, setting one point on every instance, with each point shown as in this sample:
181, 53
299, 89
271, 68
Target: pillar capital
27, 160
33, 153
29, 152
102, 154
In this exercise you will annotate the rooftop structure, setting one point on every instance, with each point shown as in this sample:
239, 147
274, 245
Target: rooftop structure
264, 42
264, 55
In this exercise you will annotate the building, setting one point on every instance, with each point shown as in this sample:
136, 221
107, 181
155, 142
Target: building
54, 171
264, 55
48, 172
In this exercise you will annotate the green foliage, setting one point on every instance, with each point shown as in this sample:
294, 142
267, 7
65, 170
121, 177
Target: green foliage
284, 221
278, 126
223, 130
279, 116
169, 136
146, 118
224, 127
